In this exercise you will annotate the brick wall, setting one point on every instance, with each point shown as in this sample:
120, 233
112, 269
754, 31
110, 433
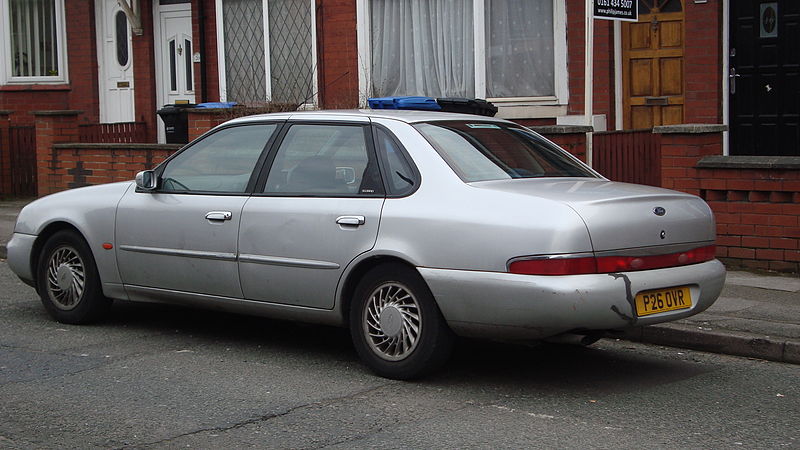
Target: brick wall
570, 138
62, 163
757, 209
680, 153
202, 120
88, 164
758, 215
337, 46
144, 77
703, 62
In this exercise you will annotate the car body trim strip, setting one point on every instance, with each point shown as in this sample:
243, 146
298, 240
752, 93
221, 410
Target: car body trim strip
236, 305
291, 262
223, 256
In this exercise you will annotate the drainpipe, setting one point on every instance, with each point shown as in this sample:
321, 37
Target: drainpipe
201, 17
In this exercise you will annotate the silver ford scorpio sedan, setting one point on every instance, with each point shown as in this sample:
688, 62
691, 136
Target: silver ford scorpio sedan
408, 227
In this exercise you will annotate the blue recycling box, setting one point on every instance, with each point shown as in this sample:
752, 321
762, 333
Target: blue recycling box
409, 102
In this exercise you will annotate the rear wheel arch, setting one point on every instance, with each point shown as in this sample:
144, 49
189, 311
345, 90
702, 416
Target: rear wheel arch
358, 272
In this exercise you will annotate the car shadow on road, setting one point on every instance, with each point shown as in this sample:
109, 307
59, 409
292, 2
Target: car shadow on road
609, 365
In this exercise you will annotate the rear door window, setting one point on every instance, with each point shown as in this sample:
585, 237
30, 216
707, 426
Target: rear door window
325, 160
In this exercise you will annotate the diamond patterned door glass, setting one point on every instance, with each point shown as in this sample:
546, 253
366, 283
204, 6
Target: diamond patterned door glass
290, 53
243, 26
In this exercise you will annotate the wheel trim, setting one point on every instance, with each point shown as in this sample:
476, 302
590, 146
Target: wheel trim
392, 321
66, 278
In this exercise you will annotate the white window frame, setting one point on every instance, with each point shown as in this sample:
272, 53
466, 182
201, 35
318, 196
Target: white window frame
223, 83
6, 67
510, 107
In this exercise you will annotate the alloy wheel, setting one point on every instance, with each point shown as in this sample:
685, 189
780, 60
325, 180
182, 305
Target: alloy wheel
66, 278
392, 321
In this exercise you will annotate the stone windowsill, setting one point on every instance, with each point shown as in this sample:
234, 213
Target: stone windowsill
749, 162
35, 87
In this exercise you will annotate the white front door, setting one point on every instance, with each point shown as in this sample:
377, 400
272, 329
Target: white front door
115, 62
174, 56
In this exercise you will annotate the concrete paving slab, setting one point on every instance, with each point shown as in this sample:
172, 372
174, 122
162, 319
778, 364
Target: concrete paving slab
775, 283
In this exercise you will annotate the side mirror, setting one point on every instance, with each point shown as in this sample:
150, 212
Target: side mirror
146, 180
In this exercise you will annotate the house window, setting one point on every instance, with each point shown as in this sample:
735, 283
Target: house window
500, 49
33, 41
268, 51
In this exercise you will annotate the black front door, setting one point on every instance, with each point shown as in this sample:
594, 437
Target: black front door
765, 77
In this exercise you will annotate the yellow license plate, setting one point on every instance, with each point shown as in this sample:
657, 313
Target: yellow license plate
662, 300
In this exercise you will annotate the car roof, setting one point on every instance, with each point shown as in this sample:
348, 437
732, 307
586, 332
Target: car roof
408, 116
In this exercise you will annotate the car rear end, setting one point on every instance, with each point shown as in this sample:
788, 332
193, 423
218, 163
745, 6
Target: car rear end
649, 256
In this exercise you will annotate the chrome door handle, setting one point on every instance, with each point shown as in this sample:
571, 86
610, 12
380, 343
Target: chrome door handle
351, 220
219, 215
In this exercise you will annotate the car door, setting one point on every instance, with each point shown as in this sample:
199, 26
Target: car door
316, 207
183, 235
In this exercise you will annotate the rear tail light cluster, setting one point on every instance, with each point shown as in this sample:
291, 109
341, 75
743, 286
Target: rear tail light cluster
581, 265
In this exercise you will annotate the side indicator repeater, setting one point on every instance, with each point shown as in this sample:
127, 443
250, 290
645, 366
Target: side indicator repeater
108, 245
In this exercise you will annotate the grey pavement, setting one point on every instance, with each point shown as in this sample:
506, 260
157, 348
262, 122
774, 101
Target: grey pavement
757, 315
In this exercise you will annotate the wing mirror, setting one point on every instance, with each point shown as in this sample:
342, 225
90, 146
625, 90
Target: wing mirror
146, 180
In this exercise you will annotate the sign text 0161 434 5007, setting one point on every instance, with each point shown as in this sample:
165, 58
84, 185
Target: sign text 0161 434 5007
627, 10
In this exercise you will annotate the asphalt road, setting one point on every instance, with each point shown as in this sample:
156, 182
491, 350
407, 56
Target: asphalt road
164, 377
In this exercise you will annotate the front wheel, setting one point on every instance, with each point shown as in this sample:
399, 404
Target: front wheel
396, 326
68, 282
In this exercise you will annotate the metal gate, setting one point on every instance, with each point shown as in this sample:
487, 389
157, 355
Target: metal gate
22, 152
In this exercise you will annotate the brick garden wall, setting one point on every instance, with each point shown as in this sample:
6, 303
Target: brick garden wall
758, 214
77, 165
756, 200
62, 163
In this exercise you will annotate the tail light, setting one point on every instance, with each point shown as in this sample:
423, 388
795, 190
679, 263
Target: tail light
582, 264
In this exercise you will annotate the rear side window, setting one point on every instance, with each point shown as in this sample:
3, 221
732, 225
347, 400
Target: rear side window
401, 177
497, 151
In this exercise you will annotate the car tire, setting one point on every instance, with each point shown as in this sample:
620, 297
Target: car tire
67, 280
396, 326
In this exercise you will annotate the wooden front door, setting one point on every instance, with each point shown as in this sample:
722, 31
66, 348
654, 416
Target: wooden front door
652, 65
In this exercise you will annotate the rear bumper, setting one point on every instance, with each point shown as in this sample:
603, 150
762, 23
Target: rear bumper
519, 307
19, 256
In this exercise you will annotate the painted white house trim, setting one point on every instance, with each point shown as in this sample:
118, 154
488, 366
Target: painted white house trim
618, 104
223, 82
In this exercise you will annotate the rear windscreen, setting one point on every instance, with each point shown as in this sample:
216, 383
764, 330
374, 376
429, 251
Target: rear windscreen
496, 151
